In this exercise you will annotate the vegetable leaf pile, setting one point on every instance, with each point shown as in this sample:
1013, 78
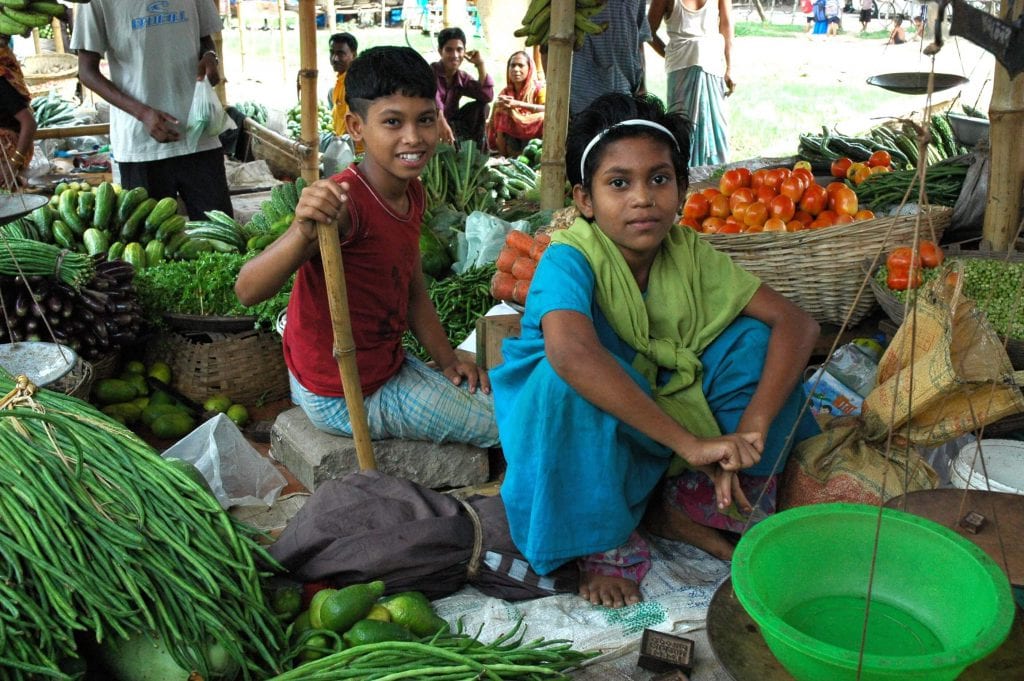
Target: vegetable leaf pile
204, 286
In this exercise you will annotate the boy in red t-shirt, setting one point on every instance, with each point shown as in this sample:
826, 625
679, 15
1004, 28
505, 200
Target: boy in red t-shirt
378, 205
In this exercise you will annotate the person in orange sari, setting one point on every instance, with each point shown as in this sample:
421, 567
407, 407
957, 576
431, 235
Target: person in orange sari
17, 124
519, 111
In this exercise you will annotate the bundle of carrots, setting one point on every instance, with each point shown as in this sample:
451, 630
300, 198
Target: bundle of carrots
516, 263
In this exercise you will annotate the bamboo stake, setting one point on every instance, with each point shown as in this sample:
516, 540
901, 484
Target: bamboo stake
332, 18
282, 27
1006, 179
35, 41
330, 247
556, 110
72, 131
58, 38
241, 31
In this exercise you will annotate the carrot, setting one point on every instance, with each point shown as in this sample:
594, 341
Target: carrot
543, 238
502, 285
520, 290
537, 250
520, 241
523, 268
505, 259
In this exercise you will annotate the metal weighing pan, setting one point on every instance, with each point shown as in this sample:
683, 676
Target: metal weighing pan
737, 644
14, 206
915, 82
42, 362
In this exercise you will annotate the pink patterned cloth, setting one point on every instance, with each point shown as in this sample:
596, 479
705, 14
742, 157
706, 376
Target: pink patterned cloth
632, 560
693, 494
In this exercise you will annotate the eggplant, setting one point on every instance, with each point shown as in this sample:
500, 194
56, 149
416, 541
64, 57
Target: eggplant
38, 310
74, 344
53, 319
31, 325
21, 303
33, 337
124, 320
54, 302
85, 314
100, 331
67, 311
123, 307
93, 300
121, 339
99, 284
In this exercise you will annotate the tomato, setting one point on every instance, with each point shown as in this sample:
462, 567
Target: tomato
764, 194
880, 158
795, 226
793, 187
773, 178
697, 207
782, 207
730, 182
802, 165
756, 215
739, 212
880, 169
843, 201
831, 187
852, 169
712, 225
843, 219
861, 174
730, 228
741, 195
931, 255
864, 214
774, 225
803, 217
806, 176
827, 214
814, 199
757, 178
690, 222
710, 193
720, 206
901, 260
744, 174
901, 281
840, 166
820, 223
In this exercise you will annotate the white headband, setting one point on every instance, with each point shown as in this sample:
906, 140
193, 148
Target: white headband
631, 121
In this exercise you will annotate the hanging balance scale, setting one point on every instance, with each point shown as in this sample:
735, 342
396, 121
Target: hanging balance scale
739, 646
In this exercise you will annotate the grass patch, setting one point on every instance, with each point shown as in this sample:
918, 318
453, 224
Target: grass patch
756, 29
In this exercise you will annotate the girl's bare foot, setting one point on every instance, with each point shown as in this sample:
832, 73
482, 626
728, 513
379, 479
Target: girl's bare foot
612, 592
665, 520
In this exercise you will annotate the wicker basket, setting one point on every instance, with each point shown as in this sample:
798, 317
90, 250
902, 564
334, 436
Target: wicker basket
77, 382
893, 306
820, 270
46, 72
106, 366
248, 367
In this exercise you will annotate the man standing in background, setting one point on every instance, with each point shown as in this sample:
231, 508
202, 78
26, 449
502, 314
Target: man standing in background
344, 48
156, 51
612, 61
468, 121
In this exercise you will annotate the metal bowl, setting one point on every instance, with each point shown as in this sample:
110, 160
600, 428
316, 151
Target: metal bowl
968, 130
915, 82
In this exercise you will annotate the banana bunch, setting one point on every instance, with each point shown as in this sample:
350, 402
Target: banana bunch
537, 22
19, 16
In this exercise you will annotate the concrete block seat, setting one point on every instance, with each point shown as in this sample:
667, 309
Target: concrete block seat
314, 456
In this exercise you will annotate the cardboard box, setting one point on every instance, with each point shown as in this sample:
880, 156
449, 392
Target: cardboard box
829, 397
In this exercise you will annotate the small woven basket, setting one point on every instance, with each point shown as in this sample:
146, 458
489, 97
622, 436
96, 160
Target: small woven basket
893, 306
820, 269
54, 71
77, 382
247, 366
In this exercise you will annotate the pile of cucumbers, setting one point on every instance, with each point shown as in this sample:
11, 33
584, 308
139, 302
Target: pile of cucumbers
53, 111
511, 180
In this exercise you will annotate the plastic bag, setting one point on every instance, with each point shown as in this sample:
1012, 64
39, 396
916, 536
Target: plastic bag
485, 237
337, 155
236, 472
206, 117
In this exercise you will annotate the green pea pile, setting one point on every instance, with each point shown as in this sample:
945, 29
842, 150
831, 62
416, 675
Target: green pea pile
994, 285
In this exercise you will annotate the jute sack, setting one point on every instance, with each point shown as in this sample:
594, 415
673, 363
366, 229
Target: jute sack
945, 373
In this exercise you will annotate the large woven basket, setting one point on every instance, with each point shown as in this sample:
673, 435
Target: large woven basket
893, 306
248, 366
77, 382
820, 269
46, 72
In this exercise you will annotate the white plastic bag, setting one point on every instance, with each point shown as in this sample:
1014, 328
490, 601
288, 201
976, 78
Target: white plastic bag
485, 237
236, 472
206, 117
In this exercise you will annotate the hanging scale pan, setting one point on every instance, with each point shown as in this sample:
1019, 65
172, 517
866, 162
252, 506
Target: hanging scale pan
14, 206
915, 82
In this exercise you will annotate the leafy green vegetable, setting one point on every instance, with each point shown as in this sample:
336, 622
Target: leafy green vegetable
460, 300
204, 286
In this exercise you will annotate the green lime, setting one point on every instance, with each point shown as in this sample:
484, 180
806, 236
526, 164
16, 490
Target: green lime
239, 414
316, 646
379, 612
138, 382
300, 625
315, 604
160, 397
287, 601
217, 403
160, 371
141, 402
135, 367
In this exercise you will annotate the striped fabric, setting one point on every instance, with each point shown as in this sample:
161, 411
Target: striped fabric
417, 403
701, 97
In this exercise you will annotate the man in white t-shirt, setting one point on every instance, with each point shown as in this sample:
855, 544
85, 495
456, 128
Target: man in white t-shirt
156, 51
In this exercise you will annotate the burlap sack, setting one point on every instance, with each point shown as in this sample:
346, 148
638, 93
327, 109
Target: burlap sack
945, 373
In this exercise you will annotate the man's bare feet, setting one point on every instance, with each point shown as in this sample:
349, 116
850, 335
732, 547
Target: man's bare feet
665, 520
613, 592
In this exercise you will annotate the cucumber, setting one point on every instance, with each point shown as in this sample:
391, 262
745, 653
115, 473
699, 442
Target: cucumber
96, 241
86, 207
128, 201
67, 207
62, 235
116, 251
43, 218
154, 252
170, 227
106, 201
131, 226
164, 208
135, 255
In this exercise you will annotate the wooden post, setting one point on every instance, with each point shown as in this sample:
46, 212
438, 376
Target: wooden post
35, 41
283, 28
58, 37
1006, 178
241, 31
330, 246
556, 110
331, 17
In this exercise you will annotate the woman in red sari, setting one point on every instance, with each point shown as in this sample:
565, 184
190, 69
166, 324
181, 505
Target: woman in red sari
519, 110
17, 124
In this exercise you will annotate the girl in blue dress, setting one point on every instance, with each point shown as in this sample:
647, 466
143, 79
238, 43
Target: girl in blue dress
644, 353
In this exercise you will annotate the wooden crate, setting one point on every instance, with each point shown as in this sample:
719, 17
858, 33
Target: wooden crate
490, 332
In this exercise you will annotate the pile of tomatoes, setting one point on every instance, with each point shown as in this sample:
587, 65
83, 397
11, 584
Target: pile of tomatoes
856, 172
771, 200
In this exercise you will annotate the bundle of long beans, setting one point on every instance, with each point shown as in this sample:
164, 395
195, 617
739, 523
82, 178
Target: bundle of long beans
448, 657
100, 535
28, 257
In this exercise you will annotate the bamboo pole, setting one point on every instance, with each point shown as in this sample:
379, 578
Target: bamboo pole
58, 38
1006, 178
72, 131
330, 247
241, 31
283, 28
556, 110
35, 41
332, 17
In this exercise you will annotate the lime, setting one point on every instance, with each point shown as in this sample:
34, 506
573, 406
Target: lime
160, 371
300, 626
138, 382
316, 646
217, 403
160, 397
141, 402
287, 601
239, 414
379, 612
135, 367
349, 605
315, 604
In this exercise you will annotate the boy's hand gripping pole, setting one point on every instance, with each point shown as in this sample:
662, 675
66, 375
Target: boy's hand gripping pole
344, 346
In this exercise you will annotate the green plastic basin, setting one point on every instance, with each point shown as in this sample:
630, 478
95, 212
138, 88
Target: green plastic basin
938, 602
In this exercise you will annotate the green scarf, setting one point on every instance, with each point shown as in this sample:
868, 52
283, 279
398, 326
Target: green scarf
694, 292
